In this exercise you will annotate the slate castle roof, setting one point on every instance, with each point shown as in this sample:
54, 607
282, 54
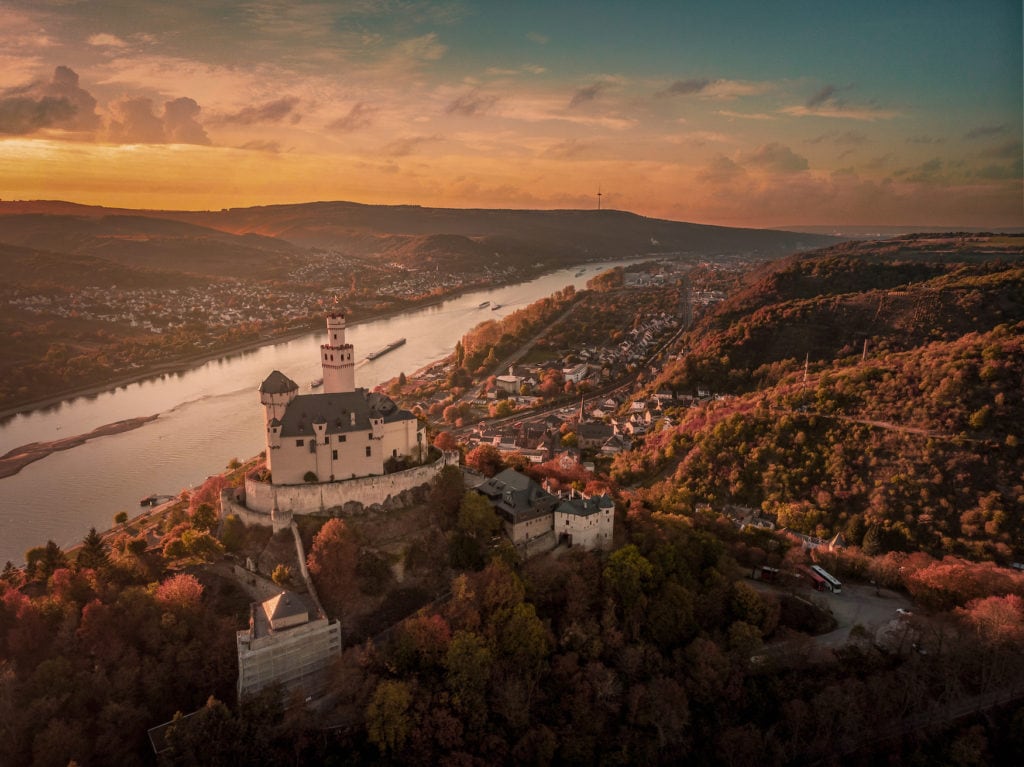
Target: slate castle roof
516, 497
278, 383
342, 413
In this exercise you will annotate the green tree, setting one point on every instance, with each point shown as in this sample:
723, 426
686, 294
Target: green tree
468, 664
42, 561
121, 517
282, 575
204, 518
476, 525
628, 576
388, 720
93, 553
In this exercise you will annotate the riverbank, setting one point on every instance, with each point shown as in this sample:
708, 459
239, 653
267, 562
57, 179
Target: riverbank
190, 362
17, 459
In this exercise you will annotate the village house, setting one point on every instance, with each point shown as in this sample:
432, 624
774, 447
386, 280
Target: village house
529, 512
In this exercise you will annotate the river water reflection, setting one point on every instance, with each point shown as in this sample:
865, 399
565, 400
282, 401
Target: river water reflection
208, 415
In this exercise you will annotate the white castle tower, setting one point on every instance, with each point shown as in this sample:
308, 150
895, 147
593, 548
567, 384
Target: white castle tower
337, 358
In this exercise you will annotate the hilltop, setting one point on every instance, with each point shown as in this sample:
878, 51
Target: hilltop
900, 431
825, 305
408, 234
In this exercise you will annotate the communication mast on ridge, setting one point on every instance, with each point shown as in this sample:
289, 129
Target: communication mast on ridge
599, 197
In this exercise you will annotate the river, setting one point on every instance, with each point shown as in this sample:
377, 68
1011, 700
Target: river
207, 416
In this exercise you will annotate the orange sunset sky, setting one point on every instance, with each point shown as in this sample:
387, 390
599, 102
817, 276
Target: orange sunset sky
735, 112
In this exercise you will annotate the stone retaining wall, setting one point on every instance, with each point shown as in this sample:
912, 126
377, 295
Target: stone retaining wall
270, 504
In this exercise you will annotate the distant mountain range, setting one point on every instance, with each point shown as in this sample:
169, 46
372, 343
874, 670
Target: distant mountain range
260, 241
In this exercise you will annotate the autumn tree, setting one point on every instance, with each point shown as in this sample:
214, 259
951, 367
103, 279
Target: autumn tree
486, 459
332, 562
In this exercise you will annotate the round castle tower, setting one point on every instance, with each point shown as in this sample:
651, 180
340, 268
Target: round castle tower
337, 358
276, 391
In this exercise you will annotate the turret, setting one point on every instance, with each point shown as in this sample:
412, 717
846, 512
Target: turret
337, 358
276, 391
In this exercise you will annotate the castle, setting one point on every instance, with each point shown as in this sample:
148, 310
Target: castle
345, 444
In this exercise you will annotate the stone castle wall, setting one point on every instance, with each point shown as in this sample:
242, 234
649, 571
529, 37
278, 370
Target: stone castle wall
312, 498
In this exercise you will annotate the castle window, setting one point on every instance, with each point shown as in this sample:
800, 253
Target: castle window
368, 450
300, 442
341, 438
334, 454
370, 435
327, 440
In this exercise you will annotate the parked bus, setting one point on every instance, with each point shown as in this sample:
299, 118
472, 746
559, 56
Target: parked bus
831, 582
817, 582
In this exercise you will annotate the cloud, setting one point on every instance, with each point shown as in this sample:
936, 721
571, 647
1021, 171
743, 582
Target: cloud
849, 138
60, 103
720, 170
776, 158
825, 102
715, 89
686, 87
924, 140
404, 147
180, 125
985, 131
837, 110
1014, 170
270, 112
21, 115
1006, 150
262, 146
529, 69
136, 122
567, 150
104, 40
470, 104
746, 115
924, 173
536, 37
824, 95
588, 93
359, 116
422, 48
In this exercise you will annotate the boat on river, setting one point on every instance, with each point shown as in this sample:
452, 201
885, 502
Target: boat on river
316, 383
390, 347
484, 305
495, 307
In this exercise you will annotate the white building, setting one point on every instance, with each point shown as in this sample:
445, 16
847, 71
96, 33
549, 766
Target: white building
340, 434
529, 512
283, 645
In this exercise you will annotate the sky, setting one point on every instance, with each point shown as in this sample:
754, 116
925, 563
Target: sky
737, 112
